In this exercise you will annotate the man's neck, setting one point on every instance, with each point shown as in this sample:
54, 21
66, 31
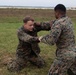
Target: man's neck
61, 16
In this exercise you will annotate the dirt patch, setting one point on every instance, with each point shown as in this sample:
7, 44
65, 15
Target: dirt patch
5, 59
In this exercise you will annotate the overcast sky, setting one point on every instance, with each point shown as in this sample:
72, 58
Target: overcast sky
67, 3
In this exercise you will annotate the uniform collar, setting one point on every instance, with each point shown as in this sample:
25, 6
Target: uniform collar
63, 16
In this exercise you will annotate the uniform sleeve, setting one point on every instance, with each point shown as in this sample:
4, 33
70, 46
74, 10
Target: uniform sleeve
52, 38
27, 38
43, 26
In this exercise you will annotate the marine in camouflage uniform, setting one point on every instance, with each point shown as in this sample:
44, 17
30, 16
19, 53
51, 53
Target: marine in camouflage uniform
62, 34
28, 48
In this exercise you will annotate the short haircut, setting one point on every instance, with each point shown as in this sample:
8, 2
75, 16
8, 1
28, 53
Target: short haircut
60, 7
28, 18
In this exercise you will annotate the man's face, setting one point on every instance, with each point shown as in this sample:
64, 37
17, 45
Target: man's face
29, 25
56, 14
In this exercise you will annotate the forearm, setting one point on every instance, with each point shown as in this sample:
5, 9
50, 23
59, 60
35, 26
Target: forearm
45, 26
33, 40
27, 38
47, 39
42, 26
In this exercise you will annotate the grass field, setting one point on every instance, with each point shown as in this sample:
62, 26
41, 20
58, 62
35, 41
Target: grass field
10, 21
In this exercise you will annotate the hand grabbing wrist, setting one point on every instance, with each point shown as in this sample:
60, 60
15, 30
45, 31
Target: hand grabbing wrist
40, 38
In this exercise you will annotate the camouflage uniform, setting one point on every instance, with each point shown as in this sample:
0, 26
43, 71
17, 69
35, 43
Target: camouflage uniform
28, 49
62, 34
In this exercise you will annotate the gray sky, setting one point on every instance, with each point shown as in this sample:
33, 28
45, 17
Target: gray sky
67, 3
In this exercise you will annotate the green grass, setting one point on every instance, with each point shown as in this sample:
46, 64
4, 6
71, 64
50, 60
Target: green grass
9, 23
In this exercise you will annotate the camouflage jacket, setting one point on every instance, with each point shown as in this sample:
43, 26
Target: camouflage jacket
28, 41
61, 34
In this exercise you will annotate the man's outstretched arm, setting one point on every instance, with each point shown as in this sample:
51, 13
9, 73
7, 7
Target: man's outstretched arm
52, 38
27, 38
43, 26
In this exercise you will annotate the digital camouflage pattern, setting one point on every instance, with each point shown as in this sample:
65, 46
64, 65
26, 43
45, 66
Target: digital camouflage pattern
62, 35
28, 48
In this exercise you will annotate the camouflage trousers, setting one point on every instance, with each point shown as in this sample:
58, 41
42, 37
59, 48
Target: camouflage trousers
19, 63
65, 61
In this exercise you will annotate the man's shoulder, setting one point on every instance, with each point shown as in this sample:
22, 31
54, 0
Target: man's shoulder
63, 21
20, 29
21, 32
